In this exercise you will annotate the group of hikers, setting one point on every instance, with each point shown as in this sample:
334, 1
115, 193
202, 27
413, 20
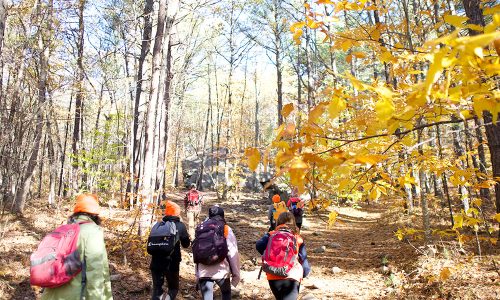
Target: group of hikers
71, 262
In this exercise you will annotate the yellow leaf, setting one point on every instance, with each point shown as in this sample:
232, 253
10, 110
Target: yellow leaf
287, 109
375, 35
384, 109
458, 221
346, 45
313, 24
253, 158
445, 274
332, 218
497, 218
481, 104
297, 26
386, 57
316, 112
491, 10
336, 106
359, 54
370, 159
348, 58
456, 21
289, 130
375, 194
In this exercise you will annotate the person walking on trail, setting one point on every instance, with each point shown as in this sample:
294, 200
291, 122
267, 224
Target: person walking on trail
275, 210
296, 207
284, 258
93, 281
216, 256
164, 245
192, 205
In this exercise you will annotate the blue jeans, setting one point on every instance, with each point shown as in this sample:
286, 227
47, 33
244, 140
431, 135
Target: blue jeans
207, 288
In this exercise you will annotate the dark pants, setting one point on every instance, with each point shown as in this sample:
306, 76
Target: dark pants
159, 277
299, 225
286, 289
207, 288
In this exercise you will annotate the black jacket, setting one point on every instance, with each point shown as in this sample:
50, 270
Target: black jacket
171, 263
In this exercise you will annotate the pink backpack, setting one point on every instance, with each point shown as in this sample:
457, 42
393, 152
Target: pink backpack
57, 260
193, 198
280, 254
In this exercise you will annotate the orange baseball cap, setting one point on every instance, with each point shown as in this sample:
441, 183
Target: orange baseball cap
172, 209
87, 203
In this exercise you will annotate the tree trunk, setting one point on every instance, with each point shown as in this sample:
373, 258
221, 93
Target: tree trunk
3, 18
79, 95
136, 149
43, 55
148, 180
279, 71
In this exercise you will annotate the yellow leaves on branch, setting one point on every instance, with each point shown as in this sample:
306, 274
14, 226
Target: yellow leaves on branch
287, 110
253, 158
456, 21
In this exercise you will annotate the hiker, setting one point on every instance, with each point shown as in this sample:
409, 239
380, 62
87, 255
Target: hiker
275, 210
296, 207
192, 205
166, 256
93, 281
284, 271
215, 253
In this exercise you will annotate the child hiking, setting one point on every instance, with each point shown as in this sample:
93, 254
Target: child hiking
275, 210
296, 207
215, 253
192, 205
89, 276
284, 258
164, 245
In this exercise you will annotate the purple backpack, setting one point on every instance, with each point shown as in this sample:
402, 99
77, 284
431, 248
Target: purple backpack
209, 245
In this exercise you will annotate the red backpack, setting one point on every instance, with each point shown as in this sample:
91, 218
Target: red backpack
281, 253
193, 198
57, 260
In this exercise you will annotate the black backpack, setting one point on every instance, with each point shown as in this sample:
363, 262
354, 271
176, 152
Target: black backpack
163, 238
209, 245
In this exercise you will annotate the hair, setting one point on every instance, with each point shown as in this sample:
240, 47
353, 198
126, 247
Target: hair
287, 219
95, 218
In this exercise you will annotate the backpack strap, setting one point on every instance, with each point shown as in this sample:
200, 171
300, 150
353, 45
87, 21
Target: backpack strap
84, 279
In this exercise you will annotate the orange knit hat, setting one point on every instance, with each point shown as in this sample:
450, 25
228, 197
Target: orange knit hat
87, 203
172, 209
276, 198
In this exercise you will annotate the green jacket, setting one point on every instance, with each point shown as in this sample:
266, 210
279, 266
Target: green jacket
93, 253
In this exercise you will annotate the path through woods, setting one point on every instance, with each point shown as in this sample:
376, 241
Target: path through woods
355, 245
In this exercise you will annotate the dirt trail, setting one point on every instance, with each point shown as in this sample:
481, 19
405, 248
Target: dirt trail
354, 246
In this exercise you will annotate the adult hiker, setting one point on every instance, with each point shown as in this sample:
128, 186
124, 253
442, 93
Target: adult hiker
164, 245
275, 210
215, 253
192, 205
284, 258
296, 207
93, 281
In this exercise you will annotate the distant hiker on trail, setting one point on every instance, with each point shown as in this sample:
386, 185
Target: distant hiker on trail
84, 269
192, 205
284, 258
275, 210
296, 207
215, 253
164, 244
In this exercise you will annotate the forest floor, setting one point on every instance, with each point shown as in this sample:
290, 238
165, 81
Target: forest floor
346, 259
